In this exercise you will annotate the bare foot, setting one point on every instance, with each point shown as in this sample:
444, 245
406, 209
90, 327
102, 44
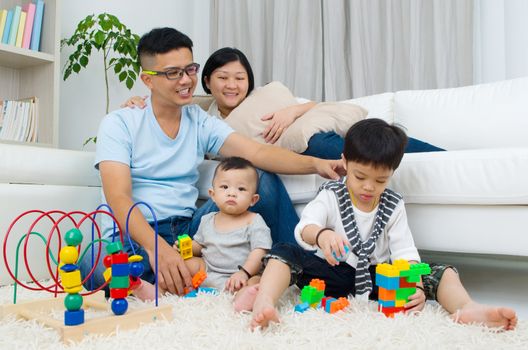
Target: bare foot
146, 291
264, 312
245, 298
495, 317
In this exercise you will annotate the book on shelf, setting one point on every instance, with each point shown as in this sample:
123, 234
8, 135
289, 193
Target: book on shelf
19, 120
7, 28
37, 25
20, 31
3, 19
14, 25
29, 8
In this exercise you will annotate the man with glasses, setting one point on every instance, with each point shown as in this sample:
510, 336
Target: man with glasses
152, 155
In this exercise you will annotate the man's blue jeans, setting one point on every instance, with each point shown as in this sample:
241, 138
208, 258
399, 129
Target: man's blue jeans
274, 206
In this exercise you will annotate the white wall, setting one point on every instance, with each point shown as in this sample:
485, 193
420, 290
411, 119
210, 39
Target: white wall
82, 96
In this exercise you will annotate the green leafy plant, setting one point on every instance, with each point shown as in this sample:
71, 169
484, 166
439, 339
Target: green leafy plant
105, 33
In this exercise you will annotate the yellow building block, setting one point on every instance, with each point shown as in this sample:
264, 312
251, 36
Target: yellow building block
400, 303
185, 245
401, 264
387, 270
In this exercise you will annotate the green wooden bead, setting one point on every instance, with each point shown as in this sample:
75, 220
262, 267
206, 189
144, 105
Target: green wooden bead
114, 247
73, 302
73, 237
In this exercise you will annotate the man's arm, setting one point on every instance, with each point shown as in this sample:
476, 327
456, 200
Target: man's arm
117, 187
279, 160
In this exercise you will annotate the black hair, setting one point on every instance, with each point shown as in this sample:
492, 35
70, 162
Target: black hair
230, 163
375, 142
220, 58
162, 40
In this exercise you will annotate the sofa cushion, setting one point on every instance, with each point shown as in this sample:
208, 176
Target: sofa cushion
245, 119
324, 117
483, 177
479, 116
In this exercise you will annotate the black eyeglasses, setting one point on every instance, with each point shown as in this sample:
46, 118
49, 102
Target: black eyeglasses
177, 73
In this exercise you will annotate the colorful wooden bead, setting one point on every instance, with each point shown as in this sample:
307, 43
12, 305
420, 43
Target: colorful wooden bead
136, 269
73, 302
114, 247
119, 306
68, 255
73, 237
107, 261
74, 318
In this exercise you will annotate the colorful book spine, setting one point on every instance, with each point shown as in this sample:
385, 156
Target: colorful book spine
3, 18
7, 28
20, 31
14, 25
37, 25
29, 8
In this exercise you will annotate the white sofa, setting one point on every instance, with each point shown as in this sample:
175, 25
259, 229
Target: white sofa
471, 199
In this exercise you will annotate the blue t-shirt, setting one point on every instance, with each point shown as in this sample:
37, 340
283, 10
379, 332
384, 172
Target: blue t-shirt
164, 171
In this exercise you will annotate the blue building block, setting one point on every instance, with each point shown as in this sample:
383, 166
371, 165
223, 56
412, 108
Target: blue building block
387, 303
192, 294
328, 303
390, 283
73, 318
301, 307
207, 290
344, 257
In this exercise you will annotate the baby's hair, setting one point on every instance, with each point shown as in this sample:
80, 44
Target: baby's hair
237, 163
375, 142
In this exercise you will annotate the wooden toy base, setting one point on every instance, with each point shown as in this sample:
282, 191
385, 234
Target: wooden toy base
33, 310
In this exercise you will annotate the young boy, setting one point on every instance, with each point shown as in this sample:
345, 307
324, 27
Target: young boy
232, 241
359, 212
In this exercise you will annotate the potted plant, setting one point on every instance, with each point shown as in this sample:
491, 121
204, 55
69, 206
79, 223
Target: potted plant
105, 33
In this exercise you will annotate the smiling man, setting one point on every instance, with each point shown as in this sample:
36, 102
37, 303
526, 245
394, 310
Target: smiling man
152, 155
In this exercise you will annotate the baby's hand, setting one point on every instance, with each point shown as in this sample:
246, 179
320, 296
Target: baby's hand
416, 301
236, 281
333, 246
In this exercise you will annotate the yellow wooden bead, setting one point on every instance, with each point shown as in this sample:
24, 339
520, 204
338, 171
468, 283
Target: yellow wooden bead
107, 274
71, 279
135, 258
69, 255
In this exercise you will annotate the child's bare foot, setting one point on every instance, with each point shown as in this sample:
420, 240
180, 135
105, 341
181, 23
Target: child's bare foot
264, 312
146, 291
245, 298
495, 317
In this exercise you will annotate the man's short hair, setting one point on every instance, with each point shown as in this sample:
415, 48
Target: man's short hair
161, 40
374, 141
230, 163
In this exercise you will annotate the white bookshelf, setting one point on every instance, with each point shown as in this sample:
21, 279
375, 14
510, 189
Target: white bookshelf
25, 73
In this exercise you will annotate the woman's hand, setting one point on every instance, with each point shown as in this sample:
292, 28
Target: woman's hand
416, 301
135, 101
279, 122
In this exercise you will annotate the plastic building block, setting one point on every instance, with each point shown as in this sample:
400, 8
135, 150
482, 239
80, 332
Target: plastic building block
390, 283
185, 246
311, 295
344, 257
301, 307
387, 270
208, 290
191, 294
386, 294
318, 284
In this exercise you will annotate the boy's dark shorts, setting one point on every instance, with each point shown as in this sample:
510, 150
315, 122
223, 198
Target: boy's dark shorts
339, 279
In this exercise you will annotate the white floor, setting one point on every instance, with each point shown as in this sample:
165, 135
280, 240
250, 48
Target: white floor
494, 280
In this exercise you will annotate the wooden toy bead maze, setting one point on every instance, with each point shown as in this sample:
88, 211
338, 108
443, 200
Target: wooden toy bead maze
122, 274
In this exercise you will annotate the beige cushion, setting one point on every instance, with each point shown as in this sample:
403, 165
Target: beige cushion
245, 119
204, 101
326, 116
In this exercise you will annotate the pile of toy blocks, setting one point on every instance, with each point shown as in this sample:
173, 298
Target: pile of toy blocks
313, 296
396, 283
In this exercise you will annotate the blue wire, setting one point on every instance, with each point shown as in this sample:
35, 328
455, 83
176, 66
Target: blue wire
104, 205
127, 234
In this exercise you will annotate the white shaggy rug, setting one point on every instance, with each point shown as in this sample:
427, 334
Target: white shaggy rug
210, 322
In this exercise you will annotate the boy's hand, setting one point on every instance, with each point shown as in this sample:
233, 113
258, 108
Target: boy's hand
416, 301
331, 242
236, 281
